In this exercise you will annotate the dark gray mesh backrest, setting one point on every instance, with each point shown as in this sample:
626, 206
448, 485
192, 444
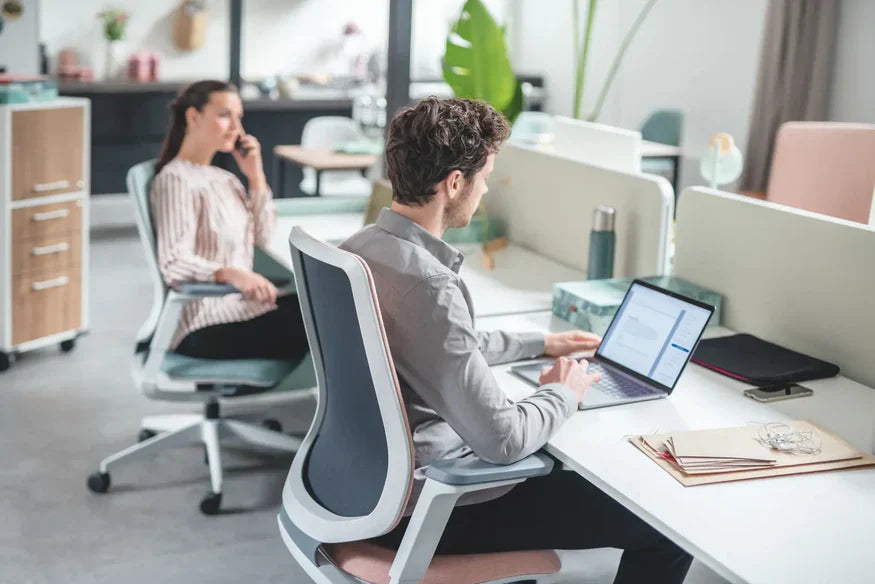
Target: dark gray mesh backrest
348, 461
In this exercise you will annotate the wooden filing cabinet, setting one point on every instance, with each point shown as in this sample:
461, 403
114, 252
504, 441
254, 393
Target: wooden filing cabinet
44, 161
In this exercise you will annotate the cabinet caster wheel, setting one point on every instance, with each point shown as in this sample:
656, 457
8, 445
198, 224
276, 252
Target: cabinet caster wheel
67, 346
5, 361
272, 425
98, 482
210, 503
145, 434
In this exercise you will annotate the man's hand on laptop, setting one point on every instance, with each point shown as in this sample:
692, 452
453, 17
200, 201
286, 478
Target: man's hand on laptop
570, 373
563, 344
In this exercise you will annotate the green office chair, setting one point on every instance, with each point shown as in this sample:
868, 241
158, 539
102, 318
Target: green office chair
665, 127
164, 375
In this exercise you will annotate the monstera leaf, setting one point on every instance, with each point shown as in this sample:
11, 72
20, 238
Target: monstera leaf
476, 65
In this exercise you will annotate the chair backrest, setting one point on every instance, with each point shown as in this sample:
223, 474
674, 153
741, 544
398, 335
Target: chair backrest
381, 197
825, 167
139, 182
352, 476
664, 126
330, 131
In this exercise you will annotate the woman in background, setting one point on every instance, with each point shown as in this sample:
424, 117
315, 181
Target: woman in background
207, 225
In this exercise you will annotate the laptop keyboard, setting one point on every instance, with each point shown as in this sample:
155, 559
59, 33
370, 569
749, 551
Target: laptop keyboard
616, 385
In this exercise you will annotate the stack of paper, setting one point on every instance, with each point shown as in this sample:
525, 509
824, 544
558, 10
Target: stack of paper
711, 451
738, 449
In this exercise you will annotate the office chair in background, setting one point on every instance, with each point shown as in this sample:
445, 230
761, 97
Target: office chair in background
329, 132
352, 478
165, 375
665, 127
825, 167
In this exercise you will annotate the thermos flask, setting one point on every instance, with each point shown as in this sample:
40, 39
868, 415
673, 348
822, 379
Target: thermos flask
602, 240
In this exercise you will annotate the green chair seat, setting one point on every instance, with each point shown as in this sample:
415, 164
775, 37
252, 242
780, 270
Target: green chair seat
251, 372
657, 165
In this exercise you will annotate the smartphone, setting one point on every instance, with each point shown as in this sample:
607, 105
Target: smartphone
238, 146
777, 392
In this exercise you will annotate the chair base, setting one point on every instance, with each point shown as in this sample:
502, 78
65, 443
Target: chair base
208, 429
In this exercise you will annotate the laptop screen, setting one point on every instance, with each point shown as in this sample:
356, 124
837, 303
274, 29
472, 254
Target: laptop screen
654, 333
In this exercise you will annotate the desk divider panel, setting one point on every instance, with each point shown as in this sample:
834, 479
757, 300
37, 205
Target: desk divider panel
545, 202
802, 280
600, 144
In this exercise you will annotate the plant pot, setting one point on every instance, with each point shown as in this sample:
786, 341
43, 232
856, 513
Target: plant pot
115, 60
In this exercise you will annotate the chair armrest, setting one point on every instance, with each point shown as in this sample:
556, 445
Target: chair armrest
447, 480
204, 289
472, 470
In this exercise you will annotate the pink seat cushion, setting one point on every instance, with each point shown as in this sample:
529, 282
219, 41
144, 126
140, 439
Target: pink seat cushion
825, 167
370, 562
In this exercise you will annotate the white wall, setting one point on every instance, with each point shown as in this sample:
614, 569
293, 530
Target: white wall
280, 36
304, 36
18, 41
542, 43
699, 56
75, 25
852, 97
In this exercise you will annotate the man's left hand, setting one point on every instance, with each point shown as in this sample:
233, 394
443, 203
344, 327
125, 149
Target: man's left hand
562, 344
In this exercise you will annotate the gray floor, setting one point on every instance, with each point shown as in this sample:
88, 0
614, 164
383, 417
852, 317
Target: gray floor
61, 413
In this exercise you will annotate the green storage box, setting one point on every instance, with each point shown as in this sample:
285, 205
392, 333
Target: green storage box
591, 305
28, 91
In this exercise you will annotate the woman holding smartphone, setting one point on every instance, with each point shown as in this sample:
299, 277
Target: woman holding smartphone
207, 225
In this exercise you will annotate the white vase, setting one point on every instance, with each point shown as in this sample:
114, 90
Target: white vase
115, 56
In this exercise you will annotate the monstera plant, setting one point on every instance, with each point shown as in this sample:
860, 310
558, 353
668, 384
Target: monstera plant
476, 65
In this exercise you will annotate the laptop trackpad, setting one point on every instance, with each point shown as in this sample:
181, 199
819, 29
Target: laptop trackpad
595, 398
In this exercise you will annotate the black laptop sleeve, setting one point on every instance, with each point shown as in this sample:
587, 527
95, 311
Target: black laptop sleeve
753, 360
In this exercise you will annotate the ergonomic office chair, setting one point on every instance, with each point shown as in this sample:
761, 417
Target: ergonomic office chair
164, 375
825, 167
665, 127
352, 478
330, 132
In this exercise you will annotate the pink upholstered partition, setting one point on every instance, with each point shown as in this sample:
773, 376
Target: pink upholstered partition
825, 167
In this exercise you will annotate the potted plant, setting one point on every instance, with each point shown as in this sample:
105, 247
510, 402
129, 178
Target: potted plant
114, 24
581, 53
476, 66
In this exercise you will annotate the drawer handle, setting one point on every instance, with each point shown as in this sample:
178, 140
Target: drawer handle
49, 215
54, 283
51, 186
47, 249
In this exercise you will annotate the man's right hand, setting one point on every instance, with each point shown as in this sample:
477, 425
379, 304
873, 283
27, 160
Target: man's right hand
570, 373
253, 286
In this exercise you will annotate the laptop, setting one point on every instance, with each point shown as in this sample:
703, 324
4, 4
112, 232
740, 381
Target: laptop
645, 349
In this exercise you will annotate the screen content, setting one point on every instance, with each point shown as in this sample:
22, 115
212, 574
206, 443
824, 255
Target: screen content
653, 334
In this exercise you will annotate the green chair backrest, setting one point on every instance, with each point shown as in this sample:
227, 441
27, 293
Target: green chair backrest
139, 183
664, 126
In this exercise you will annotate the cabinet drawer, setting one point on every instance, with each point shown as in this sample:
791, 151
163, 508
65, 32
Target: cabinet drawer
44, 220
50, 253
47, 151
45, 304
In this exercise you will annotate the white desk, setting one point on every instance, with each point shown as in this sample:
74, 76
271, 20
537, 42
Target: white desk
657, 150
813, 528
522, 280
329, 227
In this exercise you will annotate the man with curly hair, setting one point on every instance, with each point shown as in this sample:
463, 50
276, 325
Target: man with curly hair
439, 155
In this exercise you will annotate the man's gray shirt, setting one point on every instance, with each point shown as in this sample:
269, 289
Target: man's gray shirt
454, 404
